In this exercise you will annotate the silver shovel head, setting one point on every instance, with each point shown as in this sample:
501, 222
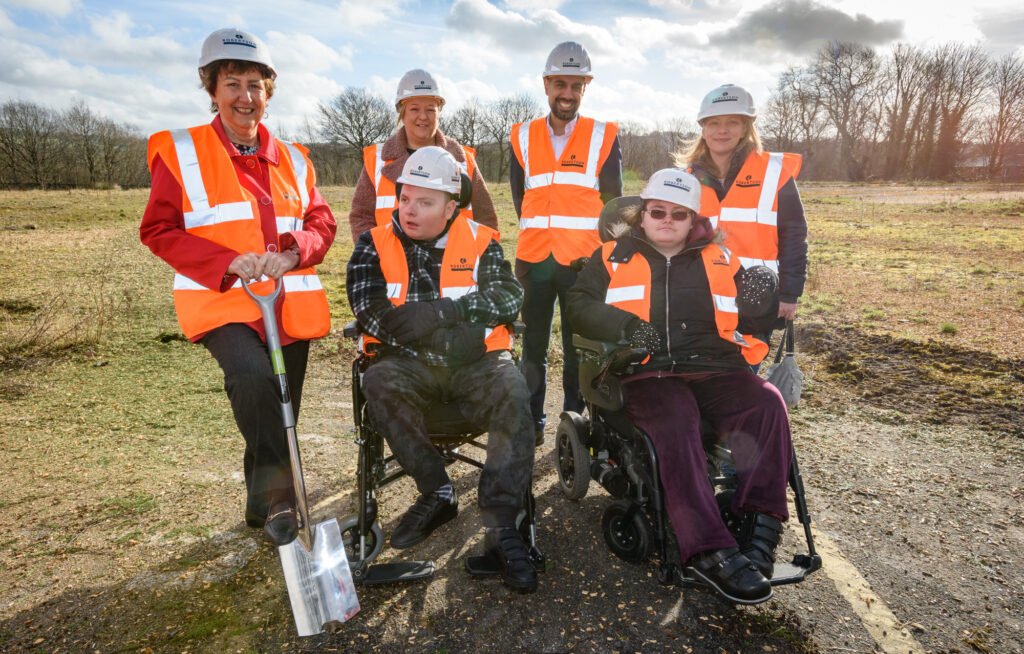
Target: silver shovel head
319, 580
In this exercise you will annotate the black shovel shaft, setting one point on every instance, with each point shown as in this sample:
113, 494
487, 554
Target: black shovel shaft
266, 304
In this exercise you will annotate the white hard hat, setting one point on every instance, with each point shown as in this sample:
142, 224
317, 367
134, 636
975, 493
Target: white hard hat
231, 43
673, 185
434, 168
417, 83
568, 58
726, 100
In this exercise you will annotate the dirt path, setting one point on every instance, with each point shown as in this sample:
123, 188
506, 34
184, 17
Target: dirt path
923, 503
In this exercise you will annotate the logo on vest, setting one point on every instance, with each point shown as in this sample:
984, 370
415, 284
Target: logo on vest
677, 183
419, 172
461, 266
725, 97
572, 163
720, 260
748, 182
238, 39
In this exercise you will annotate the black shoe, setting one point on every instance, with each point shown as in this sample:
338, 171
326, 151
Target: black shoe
427, 514
538, 437
254, 520
282, 524
506, 545
731, 574
760, 535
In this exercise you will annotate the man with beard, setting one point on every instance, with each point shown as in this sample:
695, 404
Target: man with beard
563, 169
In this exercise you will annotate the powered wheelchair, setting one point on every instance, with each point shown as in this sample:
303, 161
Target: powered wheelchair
451, 433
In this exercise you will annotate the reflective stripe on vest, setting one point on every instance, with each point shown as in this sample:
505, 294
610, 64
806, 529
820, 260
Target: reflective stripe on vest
748, 215
465, 241
216, 206
561, 198
384, 188
629, 289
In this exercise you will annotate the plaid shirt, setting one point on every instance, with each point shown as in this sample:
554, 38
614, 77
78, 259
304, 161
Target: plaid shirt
496, 301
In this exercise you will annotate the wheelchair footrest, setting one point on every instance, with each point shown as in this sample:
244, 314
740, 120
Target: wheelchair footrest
489, 566
398, 571
785, 573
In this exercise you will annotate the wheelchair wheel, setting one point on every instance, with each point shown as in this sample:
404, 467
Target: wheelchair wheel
573, 460
350, 538
629, 537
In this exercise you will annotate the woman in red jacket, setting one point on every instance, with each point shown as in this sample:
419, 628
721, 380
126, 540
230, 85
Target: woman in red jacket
231, 202
667, 286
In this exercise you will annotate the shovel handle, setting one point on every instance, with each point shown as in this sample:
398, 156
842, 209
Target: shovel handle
266, 304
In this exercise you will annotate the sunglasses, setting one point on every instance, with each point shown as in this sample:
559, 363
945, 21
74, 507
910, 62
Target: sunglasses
678, 216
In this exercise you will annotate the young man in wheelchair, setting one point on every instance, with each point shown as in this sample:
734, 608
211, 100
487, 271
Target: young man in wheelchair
665, 285
435, 293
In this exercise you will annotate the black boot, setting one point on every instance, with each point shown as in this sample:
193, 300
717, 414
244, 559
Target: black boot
506, 545
760, 534
427, 514
282, 524
729, 573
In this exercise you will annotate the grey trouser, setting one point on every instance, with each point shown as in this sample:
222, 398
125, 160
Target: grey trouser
490, 393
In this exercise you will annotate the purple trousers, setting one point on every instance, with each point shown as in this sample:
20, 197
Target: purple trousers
747, 413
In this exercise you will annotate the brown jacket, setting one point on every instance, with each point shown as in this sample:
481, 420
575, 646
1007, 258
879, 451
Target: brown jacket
395, 151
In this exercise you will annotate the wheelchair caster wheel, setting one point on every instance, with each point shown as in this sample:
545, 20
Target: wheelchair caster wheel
627, 532
573, 460
350, 539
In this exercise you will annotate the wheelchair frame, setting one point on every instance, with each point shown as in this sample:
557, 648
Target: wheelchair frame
376, 468
608, 449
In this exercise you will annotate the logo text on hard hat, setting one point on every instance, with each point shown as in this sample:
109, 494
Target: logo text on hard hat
422, 86
725, 97
238, 39
419, 172
678, 183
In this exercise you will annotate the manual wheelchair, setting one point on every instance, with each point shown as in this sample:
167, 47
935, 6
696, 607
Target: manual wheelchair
450, 432
605, 447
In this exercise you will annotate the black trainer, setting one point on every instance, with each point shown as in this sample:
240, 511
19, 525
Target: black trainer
427, 514
731, 574
506, 545
760, 535
538, 437
282, 524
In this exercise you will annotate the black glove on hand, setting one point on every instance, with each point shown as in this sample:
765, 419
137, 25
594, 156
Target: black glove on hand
461, 344
413, 321
645, 336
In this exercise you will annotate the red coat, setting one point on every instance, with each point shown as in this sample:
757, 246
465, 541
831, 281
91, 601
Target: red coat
163, 227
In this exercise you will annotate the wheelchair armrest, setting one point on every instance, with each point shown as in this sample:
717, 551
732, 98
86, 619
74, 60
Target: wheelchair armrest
351, 330
602, 349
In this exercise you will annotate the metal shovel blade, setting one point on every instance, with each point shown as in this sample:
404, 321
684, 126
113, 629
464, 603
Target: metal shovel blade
319, 580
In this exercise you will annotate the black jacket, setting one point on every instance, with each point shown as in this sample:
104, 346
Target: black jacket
681, 307
792, 226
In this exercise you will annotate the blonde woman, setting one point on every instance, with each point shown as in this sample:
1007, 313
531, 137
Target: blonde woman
419, 103
750, 194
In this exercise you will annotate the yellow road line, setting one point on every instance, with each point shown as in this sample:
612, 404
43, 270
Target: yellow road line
881, 623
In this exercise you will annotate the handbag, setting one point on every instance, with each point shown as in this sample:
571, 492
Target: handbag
784, 373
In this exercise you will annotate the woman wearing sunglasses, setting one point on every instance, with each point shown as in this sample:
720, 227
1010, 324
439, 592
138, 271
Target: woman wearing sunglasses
666, 285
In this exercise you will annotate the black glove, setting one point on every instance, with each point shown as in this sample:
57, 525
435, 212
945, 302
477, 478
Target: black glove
461, 344
413, 321
645, 336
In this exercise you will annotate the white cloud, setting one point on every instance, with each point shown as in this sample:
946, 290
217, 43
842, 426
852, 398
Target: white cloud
52, 7
112, 43
530, 6
538, 33
360, 14
294, 53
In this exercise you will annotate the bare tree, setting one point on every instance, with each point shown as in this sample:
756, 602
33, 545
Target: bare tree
82, 125
962, 74
467, 124
1006, 124
501, 115
29, 142
846, 82
905, 79
356, 117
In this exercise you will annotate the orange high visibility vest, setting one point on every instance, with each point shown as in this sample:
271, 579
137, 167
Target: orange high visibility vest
561, 199
748, 213
630, 290
385, 188
218, 208
467, 241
